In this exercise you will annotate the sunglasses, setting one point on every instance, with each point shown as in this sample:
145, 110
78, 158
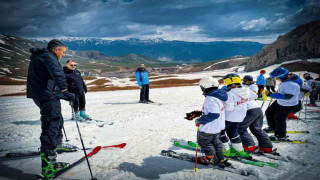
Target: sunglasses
73, 65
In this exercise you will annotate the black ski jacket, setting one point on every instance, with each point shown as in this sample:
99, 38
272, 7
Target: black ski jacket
45, 75
75, 82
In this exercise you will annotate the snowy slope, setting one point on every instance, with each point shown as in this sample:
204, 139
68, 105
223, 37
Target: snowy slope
147, 129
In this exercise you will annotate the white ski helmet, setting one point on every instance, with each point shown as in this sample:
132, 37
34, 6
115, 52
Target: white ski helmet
208, 82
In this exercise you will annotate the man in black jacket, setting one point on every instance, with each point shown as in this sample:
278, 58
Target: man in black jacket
46, 85
77, 86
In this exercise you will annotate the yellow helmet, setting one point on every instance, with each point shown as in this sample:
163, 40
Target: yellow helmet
232, 78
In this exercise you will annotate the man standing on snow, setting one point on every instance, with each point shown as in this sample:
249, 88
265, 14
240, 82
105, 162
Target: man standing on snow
143, 82
77, 86
46, 84
271, 84
261, 82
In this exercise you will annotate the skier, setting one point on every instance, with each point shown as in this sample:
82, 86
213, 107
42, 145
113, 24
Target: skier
46, 84
287, 102
271, 84
310, 86
236, 108
143, 82
253, 120
212, 122
77, 86
261, 82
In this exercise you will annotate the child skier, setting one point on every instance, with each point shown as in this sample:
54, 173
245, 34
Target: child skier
287, 102
261, 82
236, 108
253, 120
212, 122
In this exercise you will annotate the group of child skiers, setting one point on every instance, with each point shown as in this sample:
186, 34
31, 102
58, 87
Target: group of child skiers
228, 112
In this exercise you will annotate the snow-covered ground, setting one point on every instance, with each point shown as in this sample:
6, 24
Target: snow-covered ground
147, 129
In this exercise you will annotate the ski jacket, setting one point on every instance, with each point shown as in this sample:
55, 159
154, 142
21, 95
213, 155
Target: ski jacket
213, 118
288, 91
237, 103
252, 100
308, 85
142, 77
270, 81
45, 75
75, 82
261, 80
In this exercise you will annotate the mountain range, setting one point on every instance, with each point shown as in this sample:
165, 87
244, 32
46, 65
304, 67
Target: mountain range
170, 51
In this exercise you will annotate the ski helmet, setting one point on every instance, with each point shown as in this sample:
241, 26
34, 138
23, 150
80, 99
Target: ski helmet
263, 71
232, 79
280, 72
247, 80
207, 82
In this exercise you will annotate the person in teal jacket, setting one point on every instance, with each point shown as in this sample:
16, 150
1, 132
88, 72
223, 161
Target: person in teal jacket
143, 82
261, 83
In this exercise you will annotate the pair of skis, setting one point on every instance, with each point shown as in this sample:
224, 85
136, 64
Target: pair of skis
191, 146
92, 153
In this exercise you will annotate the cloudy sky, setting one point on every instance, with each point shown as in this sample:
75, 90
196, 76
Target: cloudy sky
187, 20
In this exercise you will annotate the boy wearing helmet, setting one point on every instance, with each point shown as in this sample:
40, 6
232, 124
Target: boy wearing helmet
261, 82
287, 102
236, 108
253, 120
212, 122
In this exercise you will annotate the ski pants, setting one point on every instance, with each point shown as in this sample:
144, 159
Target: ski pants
144, 92
260, 89
211, 145
254, 120
271, 88
232, 132
51, 123
79, 103
299, 108
313, 96
277, 116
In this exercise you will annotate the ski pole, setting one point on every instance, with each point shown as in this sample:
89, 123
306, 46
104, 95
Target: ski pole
197, 147
301, 106
65, 135
84, 149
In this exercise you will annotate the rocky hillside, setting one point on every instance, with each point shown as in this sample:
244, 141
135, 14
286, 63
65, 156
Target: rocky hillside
15, 57
301, 43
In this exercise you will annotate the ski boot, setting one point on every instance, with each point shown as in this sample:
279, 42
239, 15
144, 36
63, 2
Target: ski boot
250, 148
311, 105
223, 163
266, 150
227, 150
239, 151
66, 148
140, 102
268, 129
49, 165
207, 160
292, 116
84, 115
145, 102
149, 101
78, 117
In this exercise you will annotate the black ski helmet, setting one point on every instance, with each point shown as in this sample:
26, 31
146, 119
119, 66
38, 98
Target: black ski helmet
247, 80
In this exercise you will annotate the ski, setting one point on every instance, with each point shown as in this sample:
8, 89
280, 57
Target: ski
293, 132
235, 158
291, 141
34, 153
93, 152
251, 161
189, 158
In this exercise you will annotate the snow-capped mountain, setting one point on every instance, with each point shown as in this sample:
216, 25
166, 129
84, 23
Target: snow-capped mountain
165, 50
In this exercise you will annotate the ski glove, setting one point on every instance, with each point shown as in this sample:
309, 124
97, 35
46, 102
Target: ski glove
197, 122
68, 96
193, 114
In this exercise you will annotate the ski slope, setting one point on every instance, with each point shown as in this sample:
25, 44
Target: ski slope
147, 129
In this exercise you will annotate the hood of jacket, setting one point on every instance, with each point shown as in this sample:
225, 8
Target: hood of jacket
243, 92
218, 93
294, 78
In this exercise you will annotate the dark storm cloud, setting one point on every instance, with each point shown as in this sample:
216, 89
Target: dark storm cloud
169, 19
